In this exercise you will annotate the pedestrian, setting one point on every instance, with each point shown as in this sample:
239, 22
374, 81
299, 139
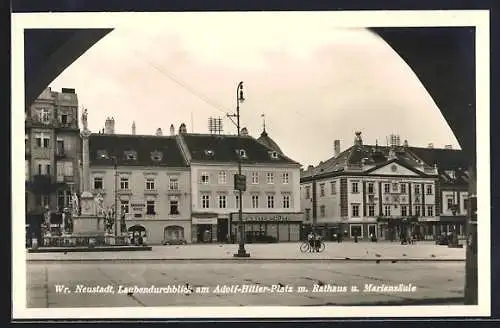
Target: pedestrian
310, 239
317, 242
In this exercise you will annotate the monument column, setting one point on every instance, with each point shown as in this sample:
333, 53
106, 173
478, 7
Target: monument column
86, 199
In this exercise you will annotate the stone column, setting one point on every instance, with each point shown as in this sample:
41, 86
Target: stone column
85, 160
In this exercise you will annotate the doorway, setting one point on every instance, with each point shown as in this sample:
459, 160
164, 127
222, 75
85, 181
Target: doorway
223, 230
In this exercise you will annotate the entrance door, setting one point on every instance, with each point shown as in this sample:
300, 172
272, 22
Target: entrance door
222, 230
372, 230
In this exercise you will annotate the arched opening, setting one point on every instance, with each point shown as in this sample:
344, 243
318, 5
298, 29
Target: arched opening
137, 233
174, 235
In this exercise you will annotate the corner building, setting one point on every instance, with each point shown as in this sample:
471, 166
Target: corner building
271, 203
149, 178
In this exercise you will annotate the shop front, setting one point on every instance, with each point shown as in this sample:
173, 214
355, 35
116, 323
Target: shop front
204, 228
395, 228
267, 227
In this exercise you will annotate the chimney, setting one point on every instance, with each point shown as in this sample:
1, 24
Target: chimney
358, 140
244, 131
448, 147
133, 127
336, 147
159, 132
172, 130
430, 145
109, 126
310, 167
405, 143
182, 129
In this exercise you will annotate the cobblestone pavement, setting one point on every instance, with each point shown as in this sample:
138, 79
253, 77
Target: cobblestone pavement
360, 251
438, 282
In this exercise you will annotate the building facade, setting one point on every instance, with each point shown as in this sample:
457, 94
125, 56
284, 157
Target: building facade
270, 204
53, 152
147, 177
370, 190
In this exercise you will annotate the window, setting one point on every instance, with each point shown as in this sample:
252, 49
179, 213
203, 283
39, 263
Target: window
222, 201
322, 211
356, 230
205, 201
270, 177
255, 201
174, 206
403, 188
255, 177
124, 206
284, 178
130, 155
123, 183
270, 201
237, 201
98, 183
308, 192
355, 189
45, 115
286, 201
387, 188
355, 210
371, 210
274, 155
150, 184
204, 178
60, 147
371, 189
68, 169
333, 187
449, 203
417, 189
430, 211
417, 210
395, 187
156, 156
404, 210
150, 207
173, 183
243, 153
64, 119
387, 210
308, 214
429, 190
222, 177
322, 189
42, 140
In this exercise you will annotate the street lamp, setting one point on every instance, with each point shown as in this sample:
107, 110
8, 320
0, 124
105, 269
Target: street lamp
240, 180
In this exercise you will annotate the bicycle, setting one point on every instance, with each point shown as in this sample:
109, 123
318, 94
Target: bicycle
305, 247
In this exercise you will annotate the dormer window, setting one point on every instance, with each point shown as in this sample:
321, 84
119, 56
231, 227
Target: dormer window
102, 154
130, 155
274, 154
209, 152
242, 153
156, 156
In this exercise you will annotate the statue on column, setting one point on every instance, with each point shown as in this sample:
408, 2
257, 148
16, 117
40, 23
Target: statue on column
84, 119
75, 204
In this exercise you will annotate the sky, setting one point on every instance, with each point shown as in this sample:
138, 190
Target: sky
314, 82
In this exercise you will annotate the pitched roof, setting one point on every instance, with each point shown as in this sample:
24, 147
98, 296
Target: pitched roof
267, 141
150, 150
223, 148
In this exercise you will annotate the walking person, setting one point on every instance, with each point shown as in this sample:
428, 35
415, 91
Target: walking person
310, 239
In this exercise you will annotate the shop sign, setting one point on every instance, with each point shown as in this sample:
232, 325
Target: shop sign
268, 217
204, 220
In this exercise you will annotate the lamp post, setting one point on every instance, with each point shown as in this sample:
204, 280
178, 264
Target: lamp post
240, 180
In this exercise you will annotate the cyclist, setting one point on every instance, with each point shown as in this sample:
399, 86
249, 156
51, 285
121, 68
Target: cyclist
311, 239
317, 242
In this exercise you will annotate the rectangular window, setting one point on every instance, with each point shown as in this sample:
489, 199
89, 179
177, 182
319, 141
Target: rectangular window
417, 189
46, 142
404, 210
98, 183
38, 141
270, 201
403, 188
333, 187
430, 210
124, 206
322, 211
308, 192
222, 177
286, 201
47, 169
222, 201
60, 147
371, 210
150, 207
308, 214
255, 201
449, 203
68, 169
429, 189
387, 188
45, 115
150, 184
204, 178
64, 119
387, 210
285, 178
173, 183
355, 210
174, 206
270, 178
255, 177
124, 183
205, 201
417, 210
322, 190
355, 189
371, 188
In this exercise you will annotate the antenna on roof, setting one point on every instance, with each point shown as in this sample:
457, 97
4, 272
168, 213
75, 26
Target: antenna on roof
263, 122
215, 125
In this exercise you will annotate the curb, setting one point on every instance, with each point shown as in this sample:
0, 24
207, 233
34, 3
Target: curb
91, 250
241, 260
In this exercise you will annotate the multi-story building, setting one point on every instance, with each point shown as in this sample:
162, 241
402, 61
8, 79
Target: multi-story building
384, 191
147, 177
271, 202
53, 151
